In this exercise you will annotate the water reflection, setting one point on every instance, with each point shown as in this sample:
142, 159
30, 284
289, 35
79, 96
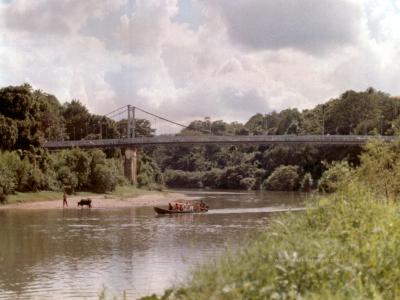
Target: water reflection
72, 253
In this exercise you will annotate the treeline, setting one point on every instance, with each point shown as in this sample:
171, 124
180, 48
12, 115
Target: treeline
30, 117
69, 170
277, 167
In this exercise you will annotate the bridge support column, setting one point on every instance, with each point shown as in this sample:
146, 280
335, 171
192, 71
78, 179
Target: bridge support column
130, 165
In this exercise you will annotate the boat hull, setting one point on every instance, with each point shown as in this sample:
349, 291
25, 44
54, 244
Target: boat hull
163, 211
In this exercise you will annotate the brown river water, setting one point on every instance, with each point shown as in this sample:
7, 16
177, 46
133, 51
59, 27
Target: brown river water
75, 253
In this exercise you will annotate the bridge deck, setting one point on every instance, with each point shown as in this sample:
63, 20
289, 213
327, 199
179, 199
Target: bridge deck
333, 140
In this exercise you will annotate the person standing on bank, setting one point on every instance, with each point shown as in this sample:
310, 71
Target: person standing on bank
65, 203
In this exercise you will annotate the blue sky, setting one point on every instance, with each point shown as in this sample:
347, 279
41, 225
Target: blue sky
189, 59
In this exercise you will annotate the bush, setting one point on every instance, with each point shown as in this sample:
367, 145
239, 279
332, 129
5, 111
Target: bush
212, 178
248, 183
8, 177
149, 173
339, 173
67, 178
7, 184
177, 178
104, 177
283, 178
380, 167
231, 177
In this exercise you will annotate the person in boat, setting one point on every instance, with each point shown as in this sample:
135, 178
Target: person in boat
203, 206
170, 207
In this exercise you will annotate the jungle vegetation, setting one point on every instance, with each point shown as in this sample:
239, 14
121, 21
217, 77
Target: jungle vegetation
369, 112
29, 117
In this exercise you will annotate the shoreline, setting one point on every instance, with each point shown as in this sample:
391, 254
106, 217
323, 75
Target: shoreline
104, 201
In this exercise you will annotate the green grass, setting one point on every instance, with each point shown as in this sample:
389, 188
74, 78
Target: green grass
33, 196
346, 247
120, 191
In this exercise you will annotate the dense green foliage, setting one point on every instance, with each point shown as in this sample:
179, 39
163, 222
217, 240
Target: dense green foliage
334, 177
370, 112
70, 170
380, 168
29, 117
284, 178
345, 246
241, 176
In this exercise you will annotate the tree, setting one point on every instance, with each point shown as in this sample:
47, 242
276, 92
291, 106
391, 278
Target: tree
380, 167
337, 174
142, 128
8, 133
77, 117
283, 178
19, 105
104, 178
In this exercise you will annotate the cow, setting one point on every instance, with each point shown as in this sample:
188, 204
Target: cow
83, 202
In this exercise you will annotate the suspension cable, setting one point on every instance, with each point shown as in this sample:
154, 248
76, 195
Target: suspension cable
115, 110
162, 118
116, 114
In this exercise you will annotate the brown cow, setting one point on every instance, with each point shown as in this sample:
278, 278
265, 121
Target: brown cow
87, 202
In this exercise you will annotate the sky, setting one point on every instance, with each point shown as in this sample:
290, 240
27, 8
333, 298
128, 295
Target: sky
190, 59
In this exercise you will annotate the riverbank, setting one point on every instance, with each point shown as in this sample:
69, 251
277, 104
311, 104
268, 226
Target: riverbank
122, 197
346, 247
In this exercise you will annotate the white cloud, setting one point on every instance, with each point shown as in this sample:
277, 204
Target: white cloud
310, 25
239, 58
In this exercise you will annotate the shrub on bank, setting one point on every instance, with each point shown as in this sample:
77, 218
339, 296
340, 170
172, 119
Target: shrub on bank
178, 178
283, 178
338, 173
380, 168
71, 170
150, 175
104, 178
211, 179
248, 183
240, 177
8, 178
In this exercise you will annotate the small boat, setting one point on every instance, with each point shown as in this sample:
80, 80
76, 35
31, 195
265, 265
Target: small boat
163, 211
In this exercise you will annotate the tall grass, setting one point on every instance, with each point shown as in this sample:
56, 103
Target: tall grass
346, 247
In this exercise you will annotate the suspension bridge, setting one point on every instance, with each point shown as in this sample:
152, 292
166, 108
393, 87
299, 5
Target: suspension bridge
163, 132
129, 138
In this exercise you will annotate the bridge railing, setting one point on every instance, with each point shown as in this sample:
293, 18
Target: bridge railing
204, 140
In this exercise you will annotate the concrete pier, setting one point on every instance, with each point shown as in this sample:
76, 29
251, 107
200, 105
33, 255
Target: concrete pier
130, 165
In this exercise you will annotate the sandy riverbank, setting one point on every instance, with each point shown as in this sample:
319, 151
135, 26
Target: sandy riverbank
104, 201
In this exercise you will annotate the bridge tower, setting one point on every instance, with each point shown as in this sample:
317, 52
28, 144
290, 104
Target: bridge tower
131, 123
130, 161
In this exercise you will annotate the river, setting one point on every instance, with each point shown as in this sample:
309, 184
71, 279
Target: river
75, 253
